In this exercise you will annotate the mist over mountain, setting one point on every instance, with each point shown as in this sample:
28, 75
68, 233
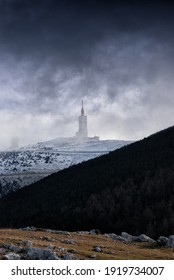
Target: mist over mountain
130, 189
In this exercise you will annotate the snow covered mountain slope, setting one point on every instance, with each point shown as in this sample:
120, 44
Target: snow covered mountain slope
23, 166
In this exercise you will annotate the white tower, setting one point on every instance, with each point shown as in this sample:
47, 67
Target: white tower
83, 130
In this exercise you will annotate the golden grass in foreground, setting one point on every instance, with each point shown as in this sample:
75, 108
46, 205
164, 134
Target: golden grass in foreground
83, 244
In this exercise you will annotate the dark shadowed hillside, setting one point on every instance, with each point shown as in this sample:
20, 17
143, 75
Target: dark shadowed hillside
130, 189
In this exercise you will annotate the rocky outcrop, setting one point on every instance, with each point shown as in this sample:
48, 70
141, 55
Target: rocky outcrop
58, 231
145, 238
26, 243
170, 241
68, 257
166, 241
98, 248
68, 241
94, 231
29, 228
41, 254
12, 256
162, 240
128, 238
13, 248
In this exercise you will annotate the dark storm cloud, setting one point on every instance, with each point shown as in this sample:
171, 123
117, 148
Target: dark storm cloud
69, 33
48, 28
71, 29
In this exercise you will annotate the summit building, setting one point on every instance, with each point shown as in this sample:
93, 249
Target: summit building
83, 130
82, 133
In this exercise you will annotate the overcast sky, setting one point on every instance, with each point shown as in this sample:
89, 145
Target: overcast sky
118, 56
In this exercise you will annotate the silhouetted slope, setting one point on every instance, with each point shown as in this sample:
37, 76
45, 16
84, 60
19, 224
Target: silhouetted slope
130, 189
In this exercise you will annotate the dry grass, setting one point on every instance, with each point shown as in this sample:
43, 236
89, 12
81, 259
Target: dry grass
84, 245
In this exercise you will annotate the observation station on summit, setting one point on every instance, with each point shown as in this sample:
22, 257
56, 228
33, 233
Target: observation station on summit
82, 133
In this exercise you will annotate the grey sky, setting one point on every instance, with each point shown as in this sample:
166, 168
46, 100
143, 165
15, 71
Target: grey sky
117, 56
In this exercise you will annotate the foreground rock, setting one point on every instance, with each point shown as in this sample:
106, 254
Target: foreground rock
162, 240
98, 248
12, 256
145, 238
128, 238
170, 241
41, 254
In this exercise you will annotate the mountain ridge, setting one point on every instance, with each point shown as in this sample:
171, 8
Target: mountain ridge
130, 189
23, 166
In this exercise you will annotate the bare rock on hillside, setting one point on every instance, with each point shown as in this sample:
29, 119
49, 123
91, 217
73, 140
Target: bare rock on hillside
162, 240
83, 232
68, 241
127, 236
60, 249
68, 257
62, 232
29, 228
12, 256
145, 238
12, 248
26, 243
41, 254
97, 248
2, 250
94, 231
121, 238
111, 235
93, 256
170, 242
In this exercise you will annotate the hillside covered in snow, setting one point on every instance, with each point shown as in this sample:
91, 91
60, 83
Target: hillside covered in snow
22, 166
